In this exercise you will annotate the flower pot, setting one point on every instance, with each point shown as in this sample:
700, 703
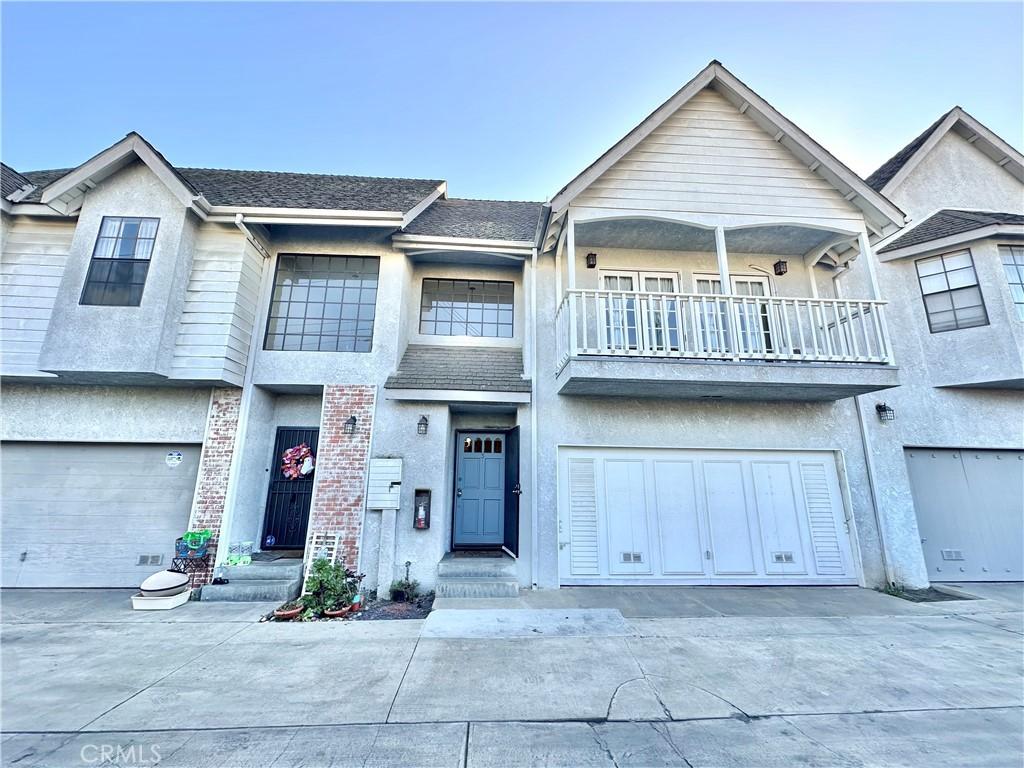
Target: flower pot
336, 613
287, 614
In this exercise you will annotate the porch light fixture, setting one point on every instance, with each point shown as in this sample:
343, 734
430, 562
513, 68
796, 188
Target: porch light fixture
591, 260
780, 267
885, 413
421, 425
350, 425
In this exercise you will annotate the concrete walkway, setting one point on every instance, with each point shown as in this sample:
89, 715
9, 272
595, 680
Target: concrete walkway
893, 683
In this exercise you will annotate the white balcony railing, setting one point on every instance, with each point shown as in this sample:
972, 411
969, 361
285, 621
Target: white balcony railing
678, 325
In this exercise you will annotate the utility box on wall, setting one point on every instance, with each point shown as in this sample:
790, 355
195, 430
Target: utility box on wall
384, 485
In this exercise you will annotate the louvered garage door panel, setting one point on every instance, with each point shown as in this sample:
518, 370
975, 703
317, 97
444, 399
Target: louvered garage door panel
637, 515
81, 515
970, 512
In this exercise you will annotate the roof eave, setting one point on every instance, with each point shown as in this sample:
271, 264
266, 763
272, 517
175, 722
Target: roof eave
941, 244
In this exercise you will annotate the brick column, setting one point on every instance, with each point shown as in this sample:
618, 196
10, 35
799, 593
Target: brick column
214, 468
341, 466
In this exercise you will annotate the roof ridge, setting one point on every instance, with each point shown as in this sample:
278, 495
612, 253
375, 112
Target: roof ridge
303, 173
492, 200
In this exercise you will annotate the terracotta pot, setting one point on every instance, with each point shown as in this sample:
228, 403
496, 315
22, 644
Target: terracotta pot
338, 612
287, 614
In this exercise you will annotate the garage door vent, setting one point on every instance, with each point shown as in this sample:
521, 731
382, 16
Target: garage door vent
952, 554
782, 557
632, 557
583, 518
150, 560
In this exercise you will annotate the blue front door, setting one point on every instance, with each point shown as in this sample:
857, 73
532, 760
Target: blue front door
480, 490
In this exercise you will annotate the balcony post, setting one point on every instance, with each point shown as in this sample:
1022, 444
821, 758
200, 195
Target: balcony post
570, 247
723, 260
869, 256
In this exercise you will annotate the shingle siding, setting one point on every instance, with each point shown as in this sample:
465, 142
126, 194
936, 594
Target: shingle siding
485, 369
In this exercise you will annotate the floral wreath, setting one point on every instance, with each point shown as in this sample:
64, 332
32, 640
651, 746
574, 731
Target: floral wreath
297, 462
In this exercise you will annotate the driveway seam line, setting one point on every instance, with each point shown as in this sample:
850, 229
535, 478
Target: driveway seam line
990, 626
398, 690
161, 679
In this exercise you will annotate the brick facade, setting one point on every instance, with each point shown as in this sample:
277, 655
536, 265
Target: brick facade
341, 466
214, 469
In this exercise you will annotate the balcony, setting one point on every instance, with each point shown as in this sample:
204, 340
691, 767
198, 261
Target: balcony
636, 344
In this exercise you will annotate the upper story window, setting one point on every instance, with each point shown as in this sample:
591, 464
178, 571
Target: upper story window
1013, 265
323, 303
952, 298
120, 261
466, 308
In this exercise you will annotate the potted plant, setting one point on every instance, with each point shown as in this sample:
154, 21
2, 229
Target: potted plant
329, 589
289, 610
404, 590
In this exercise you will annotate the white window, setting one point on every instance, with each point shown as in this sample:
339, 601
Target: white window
949, 286
1013, 266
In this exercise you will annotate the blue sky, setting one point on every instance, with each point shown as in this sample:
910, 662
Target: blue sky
503, 101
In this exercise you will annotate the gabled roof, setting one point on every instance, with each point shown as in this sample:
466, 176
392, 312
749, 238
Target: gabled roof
478, 219
899, 166
204, 188
950, 227
878, 210
11, 181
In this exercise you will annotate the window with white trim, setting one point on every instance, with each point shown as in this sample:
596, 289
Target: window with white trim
949, 286
120, 261
1013, 265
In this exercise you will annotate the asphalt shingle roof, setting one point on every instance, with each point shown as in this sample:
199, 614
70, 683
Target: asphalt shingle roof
270, 189
489, 369
482, 219
888, 170
950, 222
10, 180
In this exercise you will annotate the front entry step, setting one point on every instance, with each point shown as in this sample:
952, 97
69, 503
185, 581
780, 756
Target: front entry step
486, 576
279, 580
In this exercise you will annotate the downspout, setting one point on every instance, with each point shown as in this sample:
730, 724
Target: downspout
534, 532
865, 439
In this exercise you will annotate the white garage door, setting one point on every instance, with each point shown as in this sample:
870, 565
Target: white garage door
81, 515
633, 515
970, 512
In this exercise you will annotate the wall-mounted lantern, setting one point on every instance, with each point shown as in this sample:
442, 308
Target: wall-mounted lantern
591, 260
350, 425
780, 267
885, 413
421, 425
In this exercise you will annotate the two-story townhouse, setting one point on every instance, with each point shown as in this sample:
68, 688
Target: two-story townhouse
169, 332
718, 337
954, 279
671, 373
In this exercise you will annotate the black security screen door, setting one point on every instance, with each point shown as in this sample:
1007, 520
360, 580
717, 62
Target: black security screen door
284, 525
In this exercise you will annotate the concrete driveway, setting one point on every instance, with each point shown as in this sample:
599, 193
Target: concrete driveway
756, 677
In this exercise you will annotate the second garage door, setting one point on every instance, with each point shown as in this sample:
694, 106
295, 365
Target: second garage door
85, 515
630, 515
970, 512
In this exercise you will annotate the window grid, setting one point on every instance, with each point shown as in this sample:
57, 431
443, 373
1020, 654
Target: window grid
949, 287
120, 261
1013, 265
480, 308
323, 304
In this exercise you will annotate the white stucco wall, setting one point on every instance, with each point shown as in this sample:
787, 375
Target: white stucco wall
54, 412
956, 175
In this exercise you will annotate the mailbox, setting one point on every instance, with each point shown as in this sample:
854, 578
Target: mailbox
421, 509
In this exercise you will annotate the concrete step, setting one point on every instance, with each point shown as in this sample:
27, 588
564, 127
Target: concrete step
273, 571
253, 591
455, 586
501, 567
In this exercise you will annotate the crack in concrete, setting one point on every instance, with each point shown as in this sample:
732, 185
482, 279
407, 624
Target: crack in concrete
814, 740
611, 702
161, 679
650, 685
985, 624
387, 717
603, 744
666, 734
